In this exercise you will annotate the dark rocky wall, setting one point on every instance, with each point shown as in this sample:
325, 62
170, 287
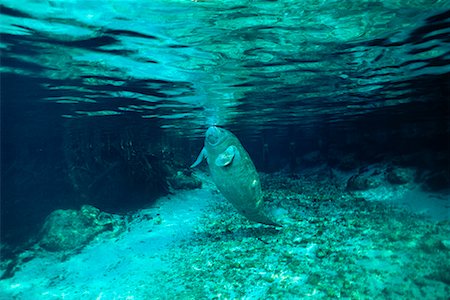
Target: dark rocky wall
48, 162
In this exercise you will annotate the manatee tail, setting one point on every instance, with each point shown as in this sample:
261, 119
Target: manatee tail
263, 219
271, 223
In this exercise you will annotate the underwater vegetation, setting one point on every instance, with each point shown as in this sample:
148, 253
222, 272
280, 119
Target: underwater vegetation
335, 245
330, 118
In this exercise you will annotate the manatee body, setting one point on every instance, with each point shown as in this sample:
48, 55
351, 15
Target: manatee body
234, 174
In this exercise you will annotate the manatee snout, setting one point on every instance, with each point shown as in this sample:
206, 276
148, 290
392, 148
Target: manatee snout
212, 135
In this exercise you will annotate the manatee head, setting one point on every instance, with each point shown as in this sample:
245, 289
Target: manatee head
215, 141
215, 136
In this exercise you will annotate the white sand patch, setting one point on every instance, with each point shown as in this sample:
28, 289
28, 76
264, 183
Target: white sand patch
127, 267
433, 205
411, 196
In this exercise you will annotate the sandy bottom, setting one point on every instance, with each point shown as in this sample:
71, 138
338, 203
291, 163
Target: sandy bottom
192, 245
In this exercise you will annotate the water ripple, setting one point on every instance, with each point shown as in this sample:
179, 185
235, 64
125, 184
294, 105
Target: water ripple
245, 64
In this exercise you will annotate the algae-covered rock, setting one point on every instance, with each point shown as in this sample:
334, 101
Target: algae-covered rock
437, 181
397, 175
364, 181
69, 229
181, 181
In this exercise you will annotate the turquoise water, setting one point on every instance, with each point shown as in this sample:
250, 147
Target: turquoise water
256, 63
342, 106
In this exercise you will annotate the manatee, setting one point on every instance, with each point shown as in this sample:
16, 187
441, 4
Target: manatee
234, 174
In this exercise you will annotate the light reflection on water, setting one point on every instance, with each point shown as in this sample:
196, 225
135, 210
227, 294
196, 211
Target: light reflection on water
189, 65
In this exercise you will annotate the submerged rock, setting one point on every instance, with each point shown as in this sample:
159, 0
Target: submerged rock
437, 181
396, 175
181, 181
69, 229
364, 181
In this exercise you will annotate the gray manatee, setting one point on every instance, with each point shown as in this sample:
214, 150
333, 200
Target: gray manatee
234, 174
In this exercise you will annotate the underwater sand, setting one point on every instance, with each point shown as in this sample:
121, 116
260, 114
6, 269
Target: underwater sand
192, 245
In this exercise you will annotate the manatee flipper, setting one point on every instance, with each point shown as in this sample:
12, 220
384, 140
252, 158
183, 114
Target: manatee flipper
226, 157
200, 158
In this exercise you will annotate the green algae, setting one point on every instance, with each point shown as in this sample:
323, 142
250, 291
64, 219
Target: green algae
332, 245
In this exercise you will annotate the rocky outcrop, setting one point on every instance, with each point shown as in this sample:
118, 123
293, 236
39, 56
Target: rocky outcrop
436, 181
397, 175
66, 230
182, 181
364, 181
